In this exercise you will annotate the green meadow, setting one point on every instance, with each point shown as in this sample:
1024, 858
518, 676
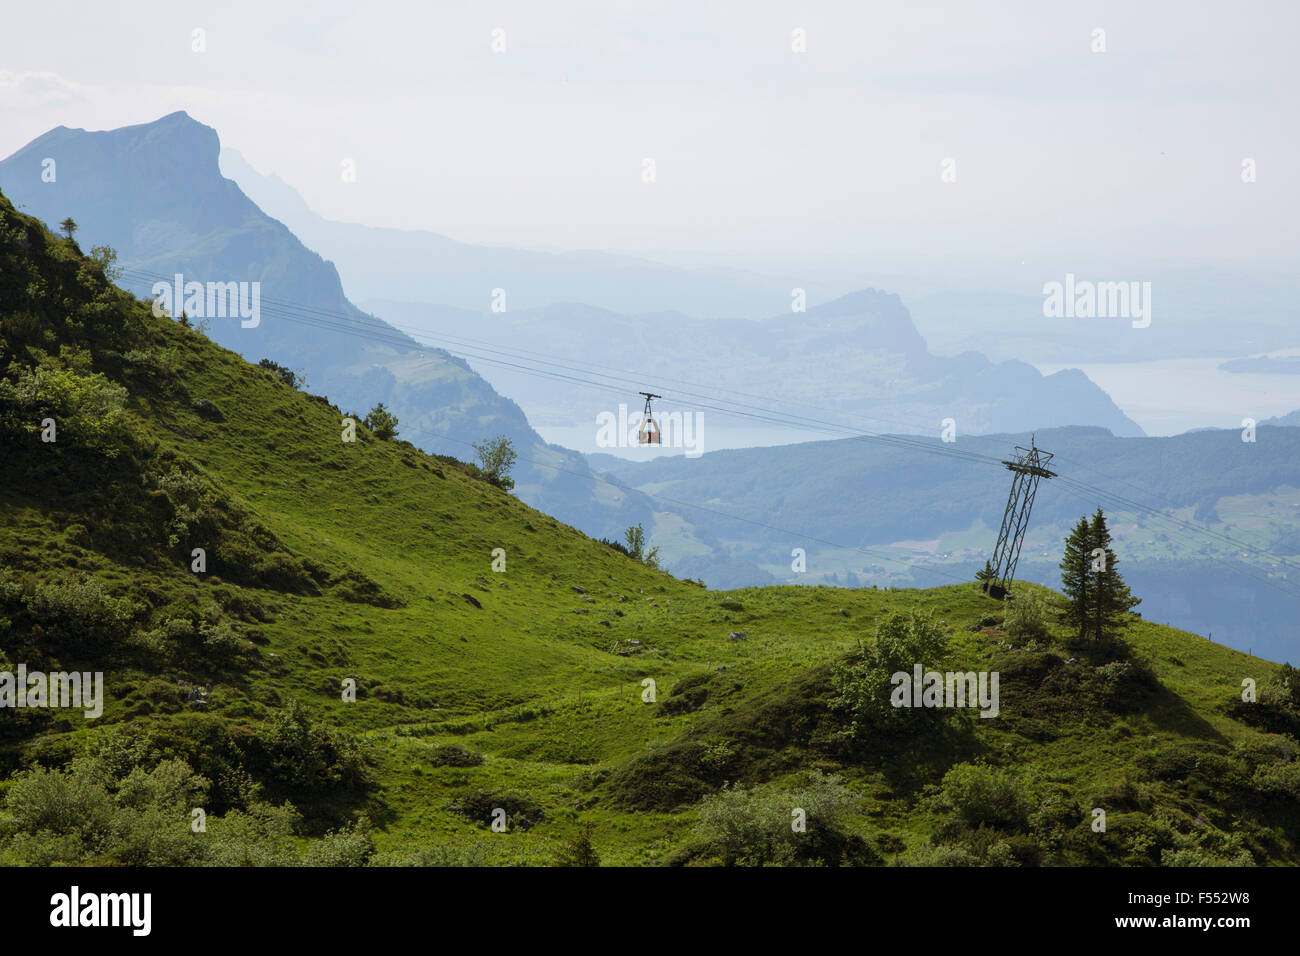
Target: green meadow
386, 658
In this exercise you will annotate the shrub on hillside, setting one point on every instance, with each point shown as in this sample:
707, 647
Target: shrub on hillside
688, 694
262, 835
748, 827
84, 813
381, 422
1206, 847
1026, 616
1208, 763
181, 640
280, 373
943, 854
193, 503
497, 456
351, 585
87, 408
73, 803
617, 546
1277, 704
348, 846
863, 686
80, 612
478, 806
1280, 780
983, 796
1124, 683
454, 755
663, 778
304, 758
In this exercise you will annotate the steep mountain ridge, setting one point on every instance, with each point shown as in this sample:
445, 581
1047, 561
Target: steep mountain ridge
155, 194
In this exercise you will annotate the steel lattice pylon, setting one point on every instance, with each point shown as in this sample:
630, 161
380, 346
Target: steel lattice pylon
1028, 467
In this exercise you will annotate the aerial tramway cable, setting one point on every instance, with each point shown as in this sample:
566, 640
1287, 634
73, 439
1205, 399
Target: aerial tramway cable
328, 319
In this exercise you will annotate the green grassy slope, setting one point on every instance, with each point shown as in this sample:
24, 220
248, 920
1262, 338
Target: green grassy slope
523, 689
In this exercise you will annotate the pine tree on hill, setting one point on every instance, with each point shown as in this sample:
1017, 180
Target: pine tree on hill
1098, 599
1076, 577
578, 850
1111, 597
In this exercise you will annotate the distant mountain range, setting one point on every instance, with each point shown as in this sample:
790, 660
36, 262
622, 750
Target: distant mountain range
1287, 365
858, 360
1200, 310
418, 265
861, 352
1289, 419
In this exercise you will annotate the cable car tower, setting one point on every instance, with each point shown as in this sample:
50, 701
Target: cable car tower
649, 432
1029, 466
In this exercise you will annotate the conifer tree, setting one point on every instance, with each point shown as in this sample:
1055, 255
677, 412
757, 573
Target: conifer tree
578, 850
1111, 599
380, 420
1076, 577
1098, 598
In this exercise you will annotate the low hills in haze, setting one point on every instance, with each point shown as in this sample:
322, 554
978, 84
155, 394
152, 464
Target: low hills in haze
858, 357
859, 353
1209, 524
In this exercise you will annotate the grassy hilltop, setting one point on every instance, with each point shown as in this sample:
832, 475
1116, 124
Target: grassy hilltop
521, 689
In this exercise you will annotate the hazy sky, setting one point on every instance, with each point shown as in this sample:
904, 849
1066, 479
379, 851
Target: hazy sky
834, 153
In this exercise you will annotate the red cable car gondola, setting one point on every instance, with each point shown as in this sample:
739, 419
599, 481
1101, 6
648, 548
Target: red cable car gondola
648, 433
